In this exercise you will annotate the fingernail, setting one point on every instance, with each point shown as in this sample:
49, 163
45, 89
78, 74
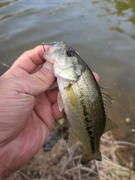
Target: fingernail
48, 65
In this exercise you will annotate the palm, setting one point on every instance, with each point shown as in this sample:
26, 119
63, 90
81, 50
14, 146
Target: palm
31, 130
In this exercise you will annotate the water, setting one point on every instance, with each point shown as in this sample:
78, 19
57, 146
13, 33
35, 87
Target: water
103, 32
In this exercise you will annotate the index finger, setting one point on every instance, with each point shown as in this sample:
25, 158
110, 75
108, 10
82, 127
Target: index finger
30, 59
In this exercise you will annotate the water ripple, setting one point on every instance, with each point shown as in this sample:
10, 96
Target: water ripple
20, 13
2, 4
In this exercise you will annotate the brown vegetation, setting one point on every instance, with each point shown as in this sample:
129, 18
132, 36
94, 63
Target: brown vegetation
56, 164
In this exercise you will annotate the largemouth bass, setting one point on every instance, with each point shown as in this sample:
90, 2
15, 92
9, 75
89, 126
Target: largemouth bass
82, 100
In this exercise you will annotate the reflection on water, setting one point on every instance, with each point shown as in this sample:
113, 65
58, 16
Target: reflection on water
126, 8
103, 32
121, 14
17, 14
4, 4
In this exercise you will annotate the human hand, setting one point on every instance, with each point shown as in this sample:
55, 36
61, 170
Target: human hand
27, 109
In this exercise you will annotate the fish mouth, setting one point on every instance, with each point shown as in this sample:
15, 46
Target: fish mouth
49, 43
59, 48
55, 51
55, 46
53, 43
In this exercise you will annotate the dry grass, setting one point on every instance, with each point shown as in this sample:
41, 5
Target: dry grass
58, 165
110, 168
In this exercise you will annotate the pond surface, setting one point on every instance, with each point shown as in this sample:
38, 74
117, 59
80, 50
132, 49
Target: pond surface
103, 32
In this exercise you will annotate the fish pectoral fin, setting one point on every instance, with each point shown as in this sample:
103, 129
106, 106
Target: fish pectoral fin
60, 102
109, 125
86, 158
71, 96
73, 141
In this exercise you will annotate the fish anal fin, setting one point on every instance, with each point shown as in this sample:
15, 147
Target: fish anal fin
109, 125
60, 102
73, 141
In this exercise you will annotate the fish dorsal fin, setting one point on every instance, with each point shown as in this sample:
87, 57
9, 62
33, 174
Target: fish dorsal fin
109, 125
107, 99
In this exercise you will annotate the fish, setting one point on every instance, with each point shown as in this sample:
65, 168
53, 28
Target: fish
82, 100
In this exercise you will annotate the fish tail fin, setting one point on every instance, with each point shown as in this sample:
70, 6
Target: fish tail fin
88, 157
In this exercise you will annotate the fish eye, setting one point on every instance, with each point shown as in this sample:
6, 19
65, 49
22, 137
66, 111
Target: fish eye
70, 52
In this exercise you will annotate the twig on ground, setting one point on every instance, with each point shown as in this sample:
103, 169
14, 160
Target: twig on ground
24, 175
124, 143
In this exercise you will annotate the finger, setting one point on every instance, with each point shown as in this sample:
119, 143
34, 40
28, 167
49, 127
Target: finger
29, 60
96, 76
52, 95
39, 81
35, 83
57, 114
47, 111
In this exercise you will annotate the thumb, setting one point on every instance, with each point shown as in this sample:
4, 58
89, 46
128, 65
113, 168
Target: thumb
40, 81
